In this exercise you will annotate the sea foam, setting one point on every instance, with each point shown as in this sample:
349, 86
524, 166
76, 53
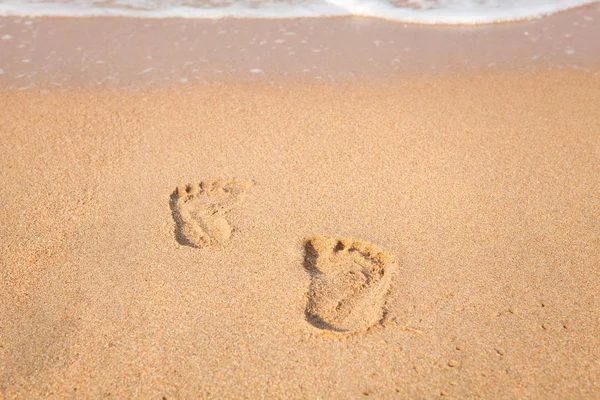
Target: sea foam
413, 11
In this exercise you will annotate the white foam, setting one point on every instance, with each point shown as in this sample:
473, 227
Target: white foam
416, 11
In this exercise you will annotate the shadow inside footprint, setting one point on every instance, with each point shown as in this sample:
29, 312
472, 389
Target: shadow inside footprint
179, 236
349, 282
310, 264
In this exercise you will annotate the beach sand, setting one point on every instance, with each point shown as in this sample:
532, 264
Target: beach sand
484, 187
58, 53
469, 203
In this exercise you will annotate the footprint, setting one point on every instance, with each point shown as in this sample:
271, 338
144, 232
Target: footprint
349, 282
199, 211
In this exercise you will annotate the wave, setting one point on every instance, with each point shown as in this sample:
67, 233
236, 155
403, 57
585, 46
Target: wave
410, 11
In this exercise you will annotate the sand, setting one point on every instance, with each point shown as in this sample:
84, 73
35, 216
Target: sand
483, 187
58, 53
196, 209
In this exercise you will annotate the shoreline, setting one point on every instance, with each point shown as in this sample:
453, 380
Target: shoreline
220, 13
62, 53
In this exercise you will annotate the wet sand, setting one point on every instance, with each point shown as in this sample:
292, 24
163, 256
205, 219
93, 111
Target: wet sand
477, 192
59, 53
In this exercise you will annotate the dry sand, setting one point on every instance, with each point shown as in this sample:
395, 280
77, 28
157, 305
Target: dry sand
484, 187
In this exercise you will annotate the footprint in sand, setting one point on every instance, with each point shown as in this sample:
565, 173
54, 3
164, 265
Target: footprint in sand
199, 211
349, 282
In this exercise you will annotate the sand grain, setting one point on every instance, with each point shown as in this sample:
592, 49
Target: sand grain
485, 187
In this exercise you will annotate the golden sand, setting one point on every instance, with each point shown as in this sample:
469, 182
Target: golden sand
483, 187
